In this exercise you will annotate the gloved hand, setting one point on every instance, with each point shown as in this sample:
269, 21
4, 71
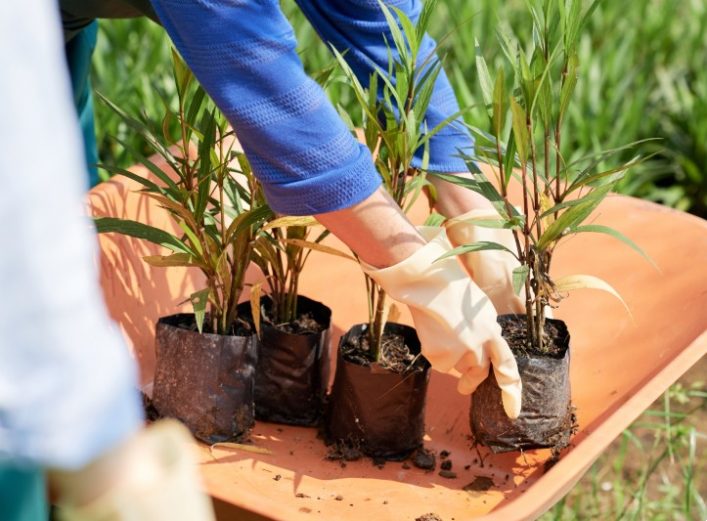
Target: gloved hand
455, 320
152, 477
492, 270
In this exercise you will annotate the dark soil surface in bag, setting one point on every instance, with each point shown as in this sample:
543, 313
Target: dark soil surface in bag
547, 417
292, 362
377, 409
205, 380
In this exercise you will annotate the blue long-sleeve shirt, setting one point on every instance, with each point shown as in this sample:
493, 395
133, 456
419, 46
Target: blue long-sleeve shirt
243, 53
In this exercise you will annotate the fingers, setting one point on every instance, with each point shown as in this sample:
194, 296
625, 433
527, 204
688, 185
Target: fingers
472, 378
505, 369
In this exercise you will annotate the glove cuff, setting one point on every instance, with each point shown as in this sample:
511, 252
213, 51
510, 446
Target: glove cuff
398, 279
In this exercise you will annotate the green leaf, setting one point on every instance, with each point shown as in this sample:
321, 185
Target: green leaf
527, 81
520, 274
423, 22
572, 217
199, 301
149, 185
196, 243
597, 228
484, 77
255, 306
477, 246
568, 85
499, 114
584, 180
434, 219
573, 282
247, 219
319, 247
182, 74
485, 222
173, 260
409, 32
140, 231
395, 32
520, 131
479, 184
290, 220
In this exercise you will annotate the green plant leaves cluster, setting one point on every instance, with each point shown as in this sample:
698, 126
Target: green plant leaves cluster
211, 195
527, 104
393, 108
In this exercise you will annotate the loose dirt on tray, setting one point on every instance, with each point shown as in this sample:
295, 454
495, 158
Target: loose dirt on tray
344, 450
424, 459
480, 484
429, 517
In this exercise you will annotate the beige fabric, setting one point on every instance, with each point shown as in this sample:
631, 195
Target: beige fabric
455, 320
492, 270
162, 483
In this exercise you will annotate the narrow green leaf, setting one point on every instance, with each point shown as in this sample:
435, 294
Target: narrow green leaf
572, 217
434, 219
477, 246
255, 306
319, 247
499, 113
484, 78
196, 243
199, 301
573, 282
520, 131
597, 228
140, 231
520, 274
287, 221
174, 260
569, 84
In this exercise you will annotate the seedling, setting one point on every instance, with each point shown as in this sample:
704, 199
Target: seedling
212, 196
526, 117
393, 107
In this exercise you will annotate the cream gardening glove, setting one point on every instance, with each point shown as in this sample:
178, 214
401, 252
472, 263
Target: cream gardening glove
455, 320
155, 479
492, 270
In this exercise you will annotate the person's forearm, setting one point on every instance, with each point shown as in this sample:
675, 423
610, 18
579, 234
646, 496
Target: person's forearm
375, 229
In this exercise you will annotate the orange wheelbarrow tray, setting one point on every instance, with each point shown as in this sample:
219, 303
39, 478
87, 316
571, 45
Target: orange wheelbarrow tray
620, 364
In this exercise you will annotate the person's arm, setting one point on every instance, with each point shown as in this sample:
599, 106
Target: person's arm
243, 53
376, 229
361, 31
309, 163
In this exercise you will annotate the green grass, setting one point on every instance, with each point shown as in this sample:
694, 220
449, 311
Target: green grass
642, 75
656, 470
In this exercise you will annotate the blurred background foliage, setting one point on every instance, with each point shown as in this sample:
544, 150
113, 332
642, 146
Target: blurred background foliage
642, 75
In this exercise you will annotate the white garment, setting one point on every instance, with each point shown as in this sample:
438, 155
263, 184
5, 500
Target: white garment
67, 382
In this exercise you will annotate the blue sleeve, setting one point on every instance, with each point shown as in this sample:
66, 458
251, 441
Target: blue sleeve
359, 26
243, 53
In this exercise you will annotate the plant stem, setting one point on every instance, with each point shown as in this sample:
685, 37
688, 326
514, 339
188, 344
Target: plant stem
378, 323
526, 252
